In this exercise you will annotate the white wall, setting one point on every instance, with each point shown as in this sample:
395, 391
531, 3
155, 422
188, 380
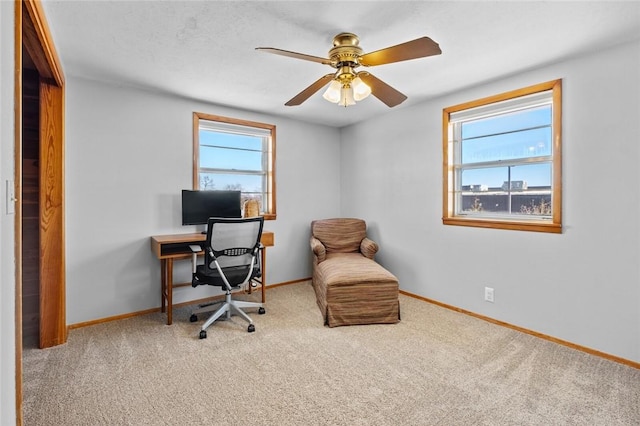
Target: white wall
129, 154
582, 286
7, 235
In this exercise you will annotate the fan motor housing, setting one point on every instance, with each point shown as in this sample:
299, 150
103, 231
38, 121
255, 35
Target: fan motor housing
346, 50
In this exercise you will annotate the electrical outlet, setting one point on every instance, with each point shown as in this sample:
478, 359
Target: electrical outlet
488, 294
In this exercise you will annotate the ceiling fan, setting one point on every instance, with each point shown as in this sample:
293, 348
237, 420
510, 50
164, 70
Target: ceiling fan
348, 85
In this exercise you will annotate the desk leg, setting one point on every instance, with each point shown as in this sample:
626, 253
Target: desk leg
163, 284
169, 288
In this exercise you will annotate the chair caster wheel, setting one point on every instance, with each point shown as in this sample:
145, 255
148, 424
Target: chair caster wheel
261, 311
203, 334
193, 318
251, 328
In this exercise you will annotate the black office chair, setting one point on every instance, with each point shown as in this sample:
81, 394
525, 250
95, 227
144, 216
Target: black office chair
231, 261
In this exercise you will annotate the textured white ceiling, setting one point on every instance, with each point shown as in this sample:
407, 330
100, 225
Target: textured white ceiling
206, 49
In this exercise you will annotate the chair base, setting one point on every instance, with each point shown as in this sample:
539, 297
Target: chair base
229, 307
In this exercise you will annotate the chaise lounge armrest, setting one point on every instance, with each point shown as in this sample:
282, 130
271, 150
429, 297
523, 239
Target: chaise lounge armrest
368, 248
319, 251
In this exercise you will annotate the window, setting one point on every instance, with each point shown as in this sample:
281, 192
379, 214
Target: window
230, 154
502, 161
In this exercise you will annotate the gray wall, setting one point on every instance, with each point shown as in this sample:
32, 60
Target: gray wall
582, 286
129, 154
7, 235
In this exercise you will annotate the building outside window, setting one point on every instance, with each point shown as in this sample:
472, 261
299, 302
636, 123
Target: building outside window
232, 154
502, 161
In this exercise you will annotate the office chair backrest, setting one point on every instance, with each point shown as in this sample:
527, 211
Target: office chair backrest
233, 241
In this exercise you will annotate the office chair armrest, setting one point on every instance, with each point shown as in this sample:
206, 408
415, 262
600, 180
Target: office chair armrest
368, 248
195, 249
318, 249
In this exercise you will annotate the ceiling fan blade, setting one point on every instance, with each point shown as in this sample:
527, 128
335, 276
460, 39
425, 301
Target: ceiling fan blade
381, 90
306, 93
295, 55
418, 48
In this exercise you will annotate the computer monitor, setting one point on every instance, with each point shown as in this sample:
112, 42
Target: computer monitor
199, 206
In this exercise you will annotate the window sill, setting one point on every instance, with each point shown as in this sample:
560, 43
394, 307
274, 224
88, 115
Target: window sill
514, 225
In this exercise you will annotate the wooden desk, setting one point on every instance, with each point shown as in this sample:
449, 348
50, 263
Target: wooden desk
168, 248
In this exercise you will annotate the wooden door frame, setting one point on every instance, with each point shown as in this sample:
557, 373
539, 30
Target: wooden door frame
32, 32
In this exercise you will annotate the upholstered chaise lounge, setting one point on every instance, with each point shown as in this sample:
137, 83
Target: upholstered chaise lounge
351, 287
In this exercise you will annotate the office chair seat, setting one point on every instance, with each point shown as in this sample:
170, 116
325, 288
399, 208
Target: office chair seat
234, 274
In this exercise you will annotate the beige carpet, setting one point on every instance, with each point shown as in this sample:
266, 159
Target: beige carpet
435, 367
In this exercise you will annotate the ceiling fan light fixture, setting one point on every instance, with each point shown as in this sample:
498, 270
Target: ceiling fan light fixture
360, 89
332, 94
346, 96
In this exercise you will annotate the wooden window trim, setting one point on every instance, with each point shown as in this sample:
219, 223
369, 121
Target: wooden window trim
271, 178
448, 206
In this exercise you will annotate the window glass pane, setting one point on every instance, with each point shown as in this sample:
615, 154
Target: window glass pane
514, 203
485, 178
532, 204
231, 181
523, 119
484, 203
230, 159
486, 190
230, 140
535, 175
496, 178
515, 145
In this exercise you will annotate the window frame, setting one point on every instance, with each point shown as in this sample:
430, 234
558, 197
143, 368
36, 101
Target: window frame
268, 211
449, 216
